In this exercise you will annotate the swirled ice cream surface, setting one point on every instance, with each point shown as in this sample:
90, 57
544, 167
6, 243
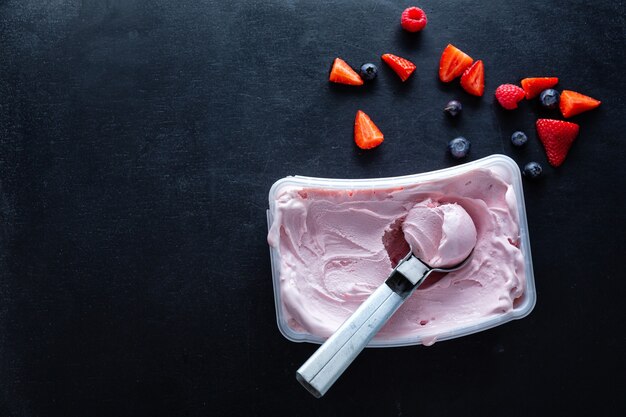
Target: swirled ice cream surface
336, 246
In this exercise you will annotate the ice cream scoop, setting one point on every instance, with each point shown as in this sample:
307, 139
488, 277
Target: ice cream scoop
423, 231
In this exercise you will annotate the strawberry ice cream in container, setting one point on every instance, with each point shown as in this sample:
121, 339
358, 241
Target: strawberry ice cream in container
335, 244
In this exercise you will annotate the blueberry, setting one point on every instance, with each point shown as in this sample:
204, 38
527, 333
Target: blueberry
519, 138
453, 108
368, 71
459, 147
532, 170
549, 98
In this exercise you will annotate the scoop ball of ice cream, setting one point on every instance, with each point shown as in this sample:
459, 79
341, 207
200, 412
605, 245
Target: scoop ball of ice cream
441, 235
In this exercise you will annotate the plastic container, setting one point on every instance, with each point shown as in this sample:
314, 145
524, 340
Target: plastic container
504, 167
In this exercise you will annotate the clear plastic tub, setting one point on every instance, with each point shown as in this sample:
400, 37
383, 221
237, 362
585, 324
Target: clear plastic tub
502, 166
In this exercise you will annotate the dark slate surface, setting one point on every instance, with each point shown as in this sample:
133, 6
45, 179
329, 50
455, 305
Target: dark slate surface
138, 142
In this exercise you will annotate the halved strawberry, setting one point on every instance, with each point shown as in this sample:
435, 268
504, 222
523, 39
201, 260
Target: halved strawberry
403, 67
342, 73
557, 137
473, 79
366, 134
573, 103
453, 62
534, 86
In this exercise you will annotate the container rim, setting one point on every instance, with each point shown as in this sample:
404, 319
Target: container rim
505, 167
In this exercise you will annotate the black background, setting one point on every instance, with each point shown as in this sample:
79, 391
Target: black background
139, 140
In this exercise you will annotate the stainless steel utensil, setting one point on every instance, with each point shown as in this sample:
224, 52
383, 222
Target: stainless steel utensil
327, 364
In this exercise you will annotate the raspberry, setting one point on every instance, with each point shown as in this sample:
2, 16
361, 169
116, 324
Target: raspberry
413, 19
509, 95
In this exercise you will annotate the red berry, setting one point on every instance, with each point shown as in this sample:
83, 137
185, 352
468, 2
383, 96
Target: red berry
413, 19
473, 79
366, 134
343, 73
573, 103
534, 86
509, 95
403, 67
557, 137
452, 63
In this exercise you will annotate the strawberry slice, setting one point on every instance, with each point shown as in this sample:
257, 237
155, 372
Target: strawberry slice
453, 62
366, 134
473, 79
557, 137
573, 103
534, 86
403, 67
342, 73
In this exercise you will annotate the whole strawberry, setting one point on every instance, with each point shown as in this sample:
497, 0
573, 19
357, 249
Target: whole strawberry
508, 95
557, 137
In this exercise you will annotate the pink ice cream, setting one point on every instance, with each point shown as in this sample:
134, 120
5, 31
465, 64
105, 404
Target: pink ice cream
337, 246
440, 235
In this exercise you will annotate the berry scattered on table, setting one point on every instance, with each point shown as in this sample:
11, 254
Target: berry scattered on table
549, 98
366, 134
453, 63
534, 86
403, 67
508, 95
453, 108
473, 79
459, 147
532, 170
519, 138
368, 71
413, 19
557, 137
573, 103
342, 73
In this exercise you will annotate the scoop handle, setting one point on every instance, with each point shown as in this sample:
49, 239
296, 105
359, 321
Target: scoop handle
331, 359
